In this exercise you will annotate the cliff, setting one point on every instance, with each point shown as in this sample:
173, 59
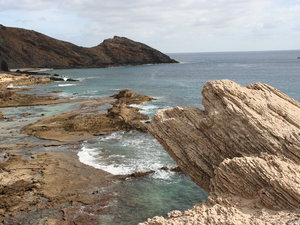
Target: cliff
22, 48
244, 149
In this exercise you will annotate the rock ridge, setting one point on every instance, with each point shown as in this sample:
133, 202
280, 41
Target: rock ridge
21, 48
243, 148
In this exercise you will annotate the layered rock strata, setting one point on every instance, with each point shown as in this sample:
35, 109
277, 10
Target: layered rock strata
243, 148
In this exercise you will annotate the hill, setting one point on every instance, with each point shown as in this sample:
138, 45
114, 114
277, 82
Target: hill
22, 48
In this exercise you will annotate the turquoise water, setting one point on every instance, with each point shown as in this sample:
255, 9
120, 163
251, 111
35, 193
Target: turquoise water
172, 85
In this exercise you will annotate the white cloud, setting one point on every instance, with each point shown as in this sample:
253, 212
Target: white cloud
171, 26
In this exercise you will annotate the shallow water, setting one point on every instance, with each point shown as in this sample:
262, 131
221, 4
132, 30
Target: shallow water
172, 85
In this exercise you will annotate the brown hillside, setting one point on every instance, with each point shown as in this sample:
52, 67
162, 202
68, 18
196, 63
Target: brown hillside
26, 48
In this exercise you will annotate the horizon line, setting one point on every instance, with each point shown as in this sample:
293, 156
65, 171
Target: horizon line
235, 51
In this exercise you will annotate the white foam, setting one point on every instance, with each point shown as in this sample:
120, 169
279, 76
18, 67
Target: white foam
87, 156
112, 136
65, 78
146, 109
10, 86
64, 94
66, 85
123, 153
163, 175
116, 169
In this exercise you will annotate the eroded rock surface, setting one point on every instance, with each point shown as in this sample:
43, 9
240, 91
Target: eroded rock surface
244, 149
51, 188
89, 120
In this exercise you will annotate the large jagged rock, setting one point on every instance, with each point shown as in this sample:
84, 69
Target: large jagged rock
27, 48
243, 147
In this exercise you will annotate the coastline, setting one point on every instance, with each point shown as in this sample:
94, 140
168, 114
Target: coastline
40, 183
51, 188
241, 148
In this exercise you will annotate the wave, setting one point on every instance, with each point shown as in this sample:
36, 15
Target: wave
122, 153
66, 85
146, 109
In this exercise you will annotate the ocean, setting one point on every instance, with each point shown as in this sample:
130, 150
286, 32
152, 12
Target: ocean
171, 85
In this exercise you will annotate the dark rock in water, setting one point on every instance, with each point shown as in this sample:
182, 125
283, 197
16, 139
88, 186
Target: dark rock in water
57, 79
26, 48
127, 96
135, 175
174, 169
298, 57
71, 79
61, 79
25, 114
126, 93
31, 73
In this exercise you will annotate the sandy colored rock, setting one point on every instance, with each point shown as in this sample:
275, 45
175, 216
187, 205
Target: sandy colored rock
10, 96
87, 120
40, 187
20, 80
245, 144
220, 212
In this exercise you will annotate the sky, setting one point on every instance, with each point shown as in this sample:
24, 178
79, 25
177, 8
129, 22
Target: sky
168, 25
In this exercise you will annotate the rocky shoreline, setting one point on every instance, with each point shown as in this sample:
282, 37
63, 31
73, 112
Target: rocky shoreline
243, 148
249, 165
87, 120
39, 184
50, 188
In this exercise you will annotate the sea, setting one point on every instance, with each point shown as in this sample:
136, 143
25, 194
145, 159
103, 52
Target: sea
179, 84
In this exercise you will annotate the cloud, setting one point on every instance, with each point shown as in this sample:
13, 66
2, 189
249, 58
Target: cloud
177, 25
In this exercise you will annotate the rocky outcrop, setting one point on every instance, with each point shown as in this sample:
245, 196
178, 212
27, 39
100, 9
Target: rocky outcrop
25, 48
89, 120
11, 81
243, 148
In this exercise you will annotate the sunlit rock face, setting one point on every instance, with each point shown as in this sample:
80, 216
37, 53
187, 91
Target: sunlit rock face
243, 148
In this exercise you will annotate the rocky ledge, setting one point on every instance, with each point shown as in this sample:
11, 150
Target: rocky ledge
243, 148
93, 118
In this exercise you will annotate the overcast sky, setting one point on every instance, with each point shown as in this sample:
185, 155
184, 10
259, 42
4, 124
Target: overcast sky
168, 25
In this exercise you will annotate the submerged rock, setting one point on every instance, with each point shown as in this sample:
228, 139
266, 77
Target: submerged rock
135, 175
244, 149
